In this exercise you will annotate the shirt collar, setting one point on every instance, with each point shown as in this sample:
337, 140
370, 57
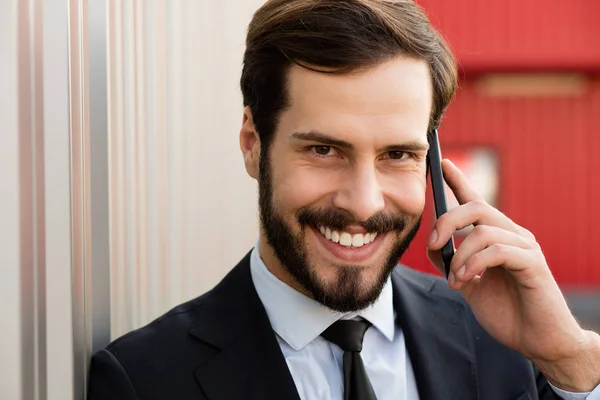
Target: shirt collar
299, 320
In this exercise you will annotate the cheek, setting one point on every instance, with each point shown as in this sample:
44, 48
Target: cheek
298, 187
407, 193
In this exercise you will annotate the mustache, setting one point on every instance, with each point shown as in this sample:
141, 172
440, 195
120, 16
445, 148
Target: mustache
340, 220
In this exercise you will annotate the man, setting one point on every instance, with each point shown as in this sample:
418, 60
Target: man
339, 98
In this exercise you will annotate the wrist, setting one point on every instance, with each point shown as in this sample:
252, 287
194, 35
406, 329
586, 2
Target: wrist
580, 371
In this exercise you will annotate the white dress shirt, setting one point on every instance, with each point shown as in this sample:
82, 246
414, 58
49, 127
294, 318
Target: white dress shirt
316, 365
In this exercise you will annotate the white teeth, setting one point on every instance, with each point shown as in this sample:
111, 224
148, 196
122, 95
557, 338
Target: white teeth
358, 240
345, 239
335, 237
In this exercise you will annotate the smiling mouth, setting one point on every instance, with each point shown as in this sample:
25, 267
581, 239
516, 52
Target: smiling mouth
346, 239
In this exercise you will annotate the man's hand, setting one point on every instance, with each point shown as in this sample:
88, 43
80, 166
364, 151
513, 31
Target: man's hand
503, 275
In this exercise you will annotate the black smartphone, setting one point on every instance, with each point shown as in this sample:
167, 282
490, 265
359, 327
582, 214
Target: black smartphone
439, 194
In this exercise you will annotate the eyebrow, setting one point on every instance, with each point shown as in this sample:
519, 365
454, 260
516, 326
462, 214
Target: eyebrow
324, 139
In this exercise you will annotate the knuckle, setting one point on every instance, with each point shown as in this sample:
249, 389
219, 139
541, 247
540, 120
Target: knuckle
498, 250
479, 205
535, 246
527, 233
481, 230
442, 219
474, 261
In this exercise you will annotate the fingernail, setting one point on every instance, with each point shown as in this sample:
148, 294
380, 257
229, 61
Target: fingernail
461, 271
433, 237
451, 279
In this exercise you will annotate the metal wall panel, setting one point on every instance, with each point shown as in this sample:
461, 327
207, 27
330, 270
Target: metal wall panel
89, 178
11, 375
59, 293
182, 208
38, 111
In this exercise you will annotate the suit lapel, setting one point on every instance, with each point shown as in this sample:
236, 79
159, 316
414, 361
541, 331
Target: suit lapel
438, 342
247, 362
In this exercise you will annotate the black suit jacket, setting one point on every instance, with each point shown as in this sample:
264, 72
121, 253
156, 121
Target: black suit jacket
221, 346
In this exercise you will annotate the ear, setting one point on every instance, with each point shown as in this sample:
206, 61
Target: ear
250, 143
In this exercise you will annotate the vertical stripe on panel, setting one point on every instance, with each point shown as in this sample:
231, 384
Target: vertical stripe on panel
192, 107
58, 206
80, 342
32, 200
113, 146
140, 161
123, 309
26, 199
562, 157
149, 149
162, 274
528, 218
117, 185
591, 183
176, 156
185, 202
591, 133
563, 152
581, 175
12, 343
98, 279
124, 175
39, 227
548, 195
86, 173
131, 242
112, 150
512, 160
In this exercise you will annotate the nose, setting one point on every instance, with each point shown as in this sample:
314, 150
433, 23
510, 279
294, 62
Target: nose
361, 195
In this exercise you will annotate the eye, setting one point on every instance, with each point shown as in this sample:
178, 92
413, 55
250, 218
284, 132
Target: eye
322, 150
398, 155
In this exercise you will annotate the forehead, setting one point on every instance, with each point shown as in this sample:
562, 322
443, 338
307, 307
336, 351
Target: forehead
393, 97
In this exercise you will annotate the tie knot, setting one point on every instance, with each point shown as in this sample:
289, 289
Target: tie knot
347, 334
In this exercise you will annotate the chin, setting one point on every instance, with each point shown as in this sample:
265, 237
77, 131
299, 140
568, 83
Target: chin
331, 273
347, 288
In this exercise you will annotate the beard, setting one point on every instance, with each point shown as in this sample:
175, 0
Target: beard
348, 293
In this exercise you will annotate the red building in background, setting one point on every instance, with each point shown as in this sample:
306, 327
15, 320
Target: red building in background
530, 95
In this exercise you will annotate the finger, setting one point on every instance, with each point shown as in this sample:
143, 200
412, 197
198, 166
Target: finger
481, 238
458, 182
526, 233
519, 262
471, 213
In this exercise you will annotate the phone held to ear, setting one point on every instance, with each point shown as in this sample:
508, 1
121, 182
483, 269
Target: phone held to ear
439, 194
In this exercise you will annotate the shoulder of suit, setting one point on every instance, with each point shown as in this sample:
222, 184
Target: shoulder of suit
433, 284
178, 321
173, 325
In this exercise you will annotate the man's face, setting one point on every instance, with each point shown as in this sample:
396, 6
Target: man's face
342, 188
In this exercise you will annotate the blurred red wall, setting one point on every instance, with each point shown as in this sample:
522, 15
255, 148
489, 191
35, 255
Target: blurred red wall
517, 35
547, 146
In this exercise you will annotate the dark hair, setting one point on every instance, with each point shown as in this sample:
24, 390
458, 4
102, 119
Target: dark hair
336, 37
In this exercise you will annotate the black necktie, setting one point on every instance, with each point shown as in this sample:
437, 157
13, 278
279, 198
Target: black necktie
348, 335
